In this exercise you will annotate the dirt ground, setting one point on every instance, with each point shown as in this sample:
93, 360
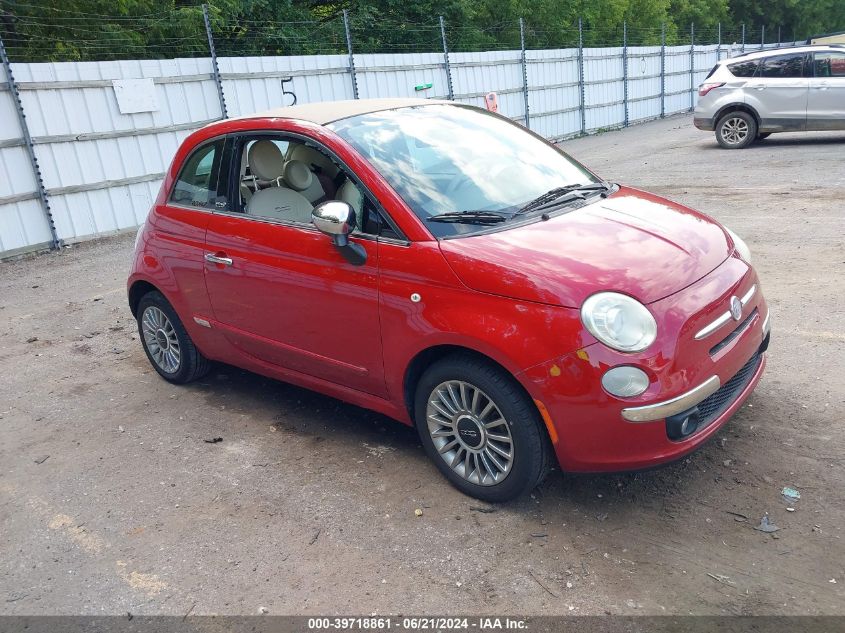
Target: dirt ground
112, 501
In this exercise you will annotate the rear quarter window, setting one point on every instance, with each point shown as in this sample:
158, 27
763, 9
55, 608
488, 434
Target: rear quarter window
744, 69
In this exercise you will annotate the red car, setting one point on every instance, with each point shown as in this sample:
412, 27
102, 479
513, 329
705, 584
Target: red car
446, 267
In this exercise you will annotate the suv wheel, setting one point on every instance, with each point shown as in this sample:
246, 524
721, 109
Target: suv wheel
480, 428
736, 130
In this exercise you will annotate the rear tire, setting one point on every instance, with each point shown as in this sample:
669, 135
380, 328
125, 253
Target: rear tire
736, 130
481, 429
166, 343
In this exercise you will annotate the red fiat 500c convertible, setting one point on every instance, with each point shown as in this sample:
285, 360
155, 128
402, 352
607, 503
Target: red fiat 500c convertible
448, 268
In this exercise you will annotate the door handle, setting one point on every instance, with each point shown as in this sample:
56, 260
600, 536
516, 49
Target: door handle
215, 259
822, 86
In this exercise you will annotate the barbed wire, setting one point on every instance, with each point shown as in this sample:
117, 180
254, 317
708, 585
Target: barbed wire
54, 34
76, 15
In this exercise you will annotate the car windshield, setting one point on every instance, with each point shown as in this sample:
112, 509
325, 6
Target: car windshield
444, 159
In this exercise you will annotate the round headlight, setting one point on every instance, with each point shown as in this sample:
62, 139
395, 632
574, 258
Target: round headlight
741, 246
619, 321
625, 381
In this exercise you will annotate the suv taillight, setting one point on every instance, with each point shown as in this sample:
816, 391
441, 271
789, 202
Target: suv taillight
703, 89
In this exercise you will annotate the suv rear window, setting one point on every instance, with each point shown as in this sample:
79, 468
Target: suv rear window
744, 69
784, 66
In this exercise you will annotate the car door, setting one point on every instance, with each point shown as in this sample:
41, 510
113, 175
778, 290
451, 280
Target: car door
176, 229
779, 92
284, 295
826, 101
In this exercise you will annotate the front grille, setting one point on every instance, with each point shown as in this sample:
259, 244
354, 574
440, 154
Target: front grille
736, 332
713, 405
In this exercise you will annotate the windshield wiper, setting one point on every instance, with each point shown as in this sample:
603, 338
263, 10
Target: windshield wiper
553, 195
468, 217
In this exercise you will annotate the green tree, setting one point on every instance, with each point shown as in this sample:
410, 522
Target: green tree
72, 30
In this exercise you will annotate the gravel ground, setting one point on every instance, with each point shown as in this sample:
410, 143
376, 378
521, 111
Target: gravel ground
111, 500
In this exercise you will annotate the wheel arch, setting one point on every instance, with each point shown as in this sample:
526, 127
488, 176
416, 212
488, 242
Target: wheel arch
736, 107
430, 355
137, 290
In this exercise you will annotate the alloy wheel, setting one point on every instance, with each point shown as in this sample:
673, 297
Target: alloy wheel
734, 130
161, 340
469, 432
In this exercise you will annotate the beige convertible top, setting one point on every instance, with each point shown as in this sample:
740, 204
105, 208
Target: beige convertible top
327, 111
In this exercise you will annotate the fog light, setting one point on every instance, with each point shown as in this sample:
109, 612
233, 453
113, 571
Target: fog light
624, 381
688, 425
683, 425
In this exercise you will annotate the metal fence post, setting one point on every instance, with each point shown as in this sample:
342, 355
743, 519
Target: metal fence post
446, 59
762, 36
779, 40
30, 149
662, 70
524, 72
351, 55
692, 65
581, 75
214, 68
743, 37
719, 43
625, 69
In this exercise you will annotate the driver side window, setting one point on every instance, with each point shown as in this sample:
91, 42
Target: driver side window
282, 178
197, 183
829, 64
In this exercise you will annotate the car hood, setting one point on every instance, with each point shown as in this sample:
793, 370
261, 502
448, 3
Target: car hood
631, 242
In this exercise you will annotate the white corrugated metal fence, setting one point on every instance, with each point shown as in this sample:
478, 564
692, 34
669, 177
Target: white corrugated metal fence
102, 167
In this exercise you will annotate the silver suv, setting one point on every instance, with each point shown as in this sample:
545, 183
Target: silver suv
748, 97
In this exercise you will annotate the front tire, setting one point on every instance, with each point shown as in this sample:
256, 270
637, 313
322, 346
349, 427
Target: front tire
481, 429
166, 343
736, 130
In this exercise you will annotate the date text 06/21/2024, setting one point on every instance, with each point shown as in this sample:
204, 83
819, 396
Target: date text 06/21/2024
377, 623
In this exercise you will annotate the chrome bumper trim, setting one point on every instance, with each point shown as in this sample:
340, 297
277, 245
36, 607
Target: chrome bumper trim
766, 323
724, 318
715, 325
676, 405
747, 297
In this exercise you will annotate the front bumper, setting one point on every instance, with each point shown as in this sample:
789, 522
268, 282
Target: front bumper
709, 377
713, 385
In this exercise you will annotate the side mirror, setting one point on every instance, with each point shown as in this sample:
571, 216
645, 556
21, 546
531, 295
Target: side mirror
337, 220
